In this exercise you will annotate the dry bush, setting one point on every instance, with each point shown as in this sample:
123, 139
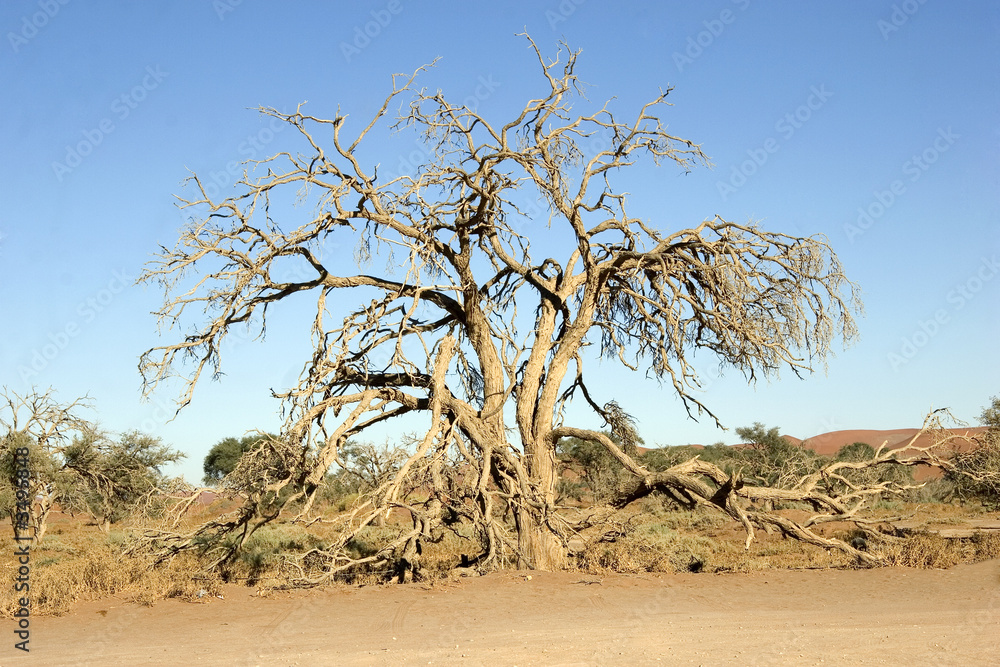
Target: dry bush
658, 539
261, 558
181, 578
697, 541
927, 550
650, 548
454, 549
59, 580
667, 513
938, 491
264, 559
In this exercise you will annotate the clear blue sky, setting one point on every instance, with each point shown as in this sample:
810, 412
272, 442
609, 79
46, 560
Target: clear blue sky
813, 113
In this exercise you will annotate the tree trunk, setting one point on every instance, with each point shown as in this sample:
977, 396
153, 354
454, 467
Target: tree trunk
34, 529
40, 530
409, 562
539, 547
41, 515
19, 532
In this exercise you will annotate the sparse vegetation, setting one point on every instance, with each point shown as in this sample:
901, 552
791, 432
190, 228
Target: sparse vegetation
930, 550
771, 460
602, 475
653, 535
49, 455
77, 564
862, 451
662, 532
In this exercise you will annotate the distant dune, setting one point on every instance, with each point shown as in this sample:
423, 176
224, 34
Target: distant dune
830, 443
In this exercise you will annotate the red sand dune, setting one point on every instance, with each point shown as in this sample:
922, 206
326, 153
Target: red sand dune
830, 443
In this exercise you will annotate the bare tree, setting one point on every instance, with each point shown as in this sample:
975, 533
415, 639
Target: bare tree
467, 321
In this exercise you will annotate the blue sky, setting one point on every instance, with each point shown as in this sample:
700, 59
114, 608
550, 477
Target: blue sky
876, 123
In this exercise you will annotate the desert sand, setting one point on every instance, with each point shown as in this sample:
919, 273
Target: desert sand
889, 616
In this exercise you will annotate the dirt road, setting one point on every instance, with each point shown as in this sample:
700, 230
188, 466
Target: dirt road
873, 617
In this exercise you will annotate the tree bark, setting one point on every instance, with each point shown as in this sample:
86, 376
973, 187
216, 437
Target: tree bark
539, 548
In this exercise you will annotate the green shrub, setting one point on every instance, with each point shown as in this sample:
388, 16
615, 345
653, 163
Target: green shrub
884, 472
770, 460
602, 473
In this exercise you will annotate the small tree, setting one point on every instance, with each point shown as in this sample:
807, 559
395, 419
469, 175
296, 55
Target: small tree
115, 478
771, 460
856, 451
604, 475
990, 416
370, 466
50, 455
36, 430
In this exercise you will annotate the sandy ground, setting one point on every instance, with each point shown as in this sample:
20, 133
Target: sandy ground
873, 617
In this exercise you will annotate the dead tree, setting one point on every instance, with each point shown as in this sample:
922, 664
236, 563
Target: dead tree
467, 321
